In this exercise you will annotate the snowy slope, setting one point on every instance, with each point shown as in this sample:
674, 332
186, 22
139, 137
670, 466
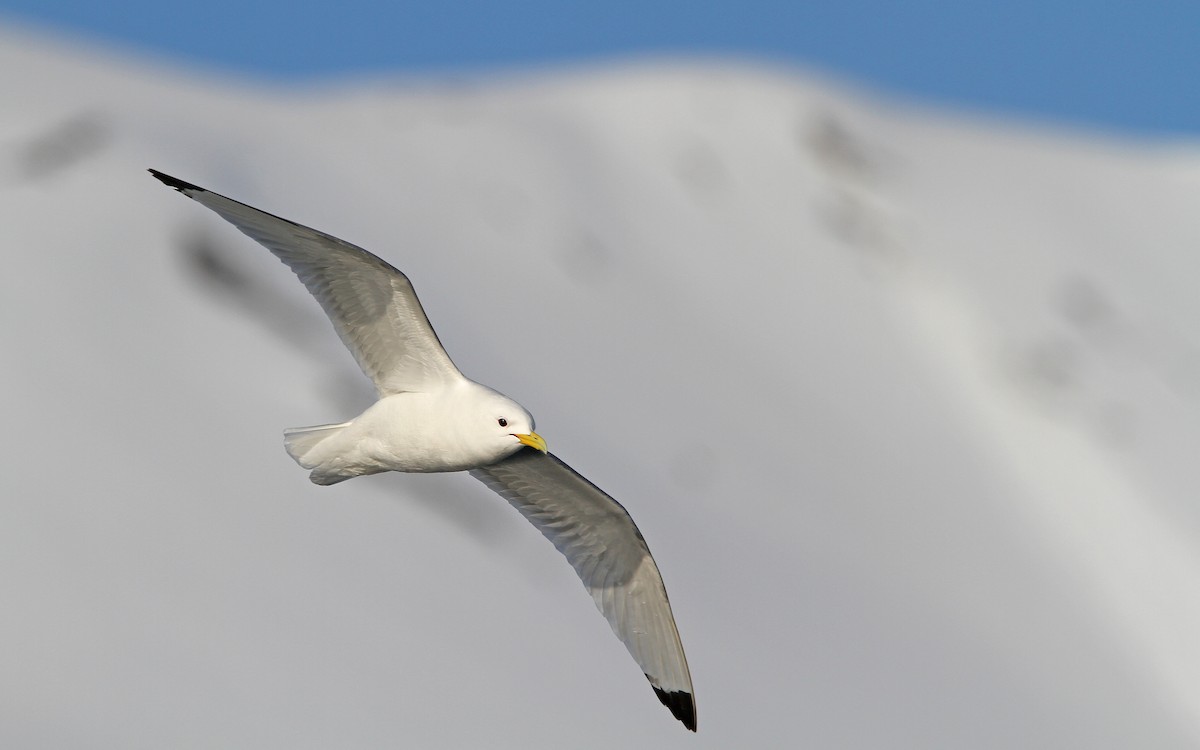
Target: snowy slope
905, 404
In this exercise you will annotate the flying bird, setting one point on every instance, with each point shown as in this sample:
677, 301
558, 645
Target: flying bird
431, 418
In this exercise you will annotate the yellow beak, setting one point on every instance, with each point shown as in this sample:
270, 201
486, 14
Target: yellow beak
533, 440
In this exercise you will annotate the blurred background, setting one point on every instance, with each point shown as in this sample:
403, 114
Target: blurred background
878, 318
1104, 67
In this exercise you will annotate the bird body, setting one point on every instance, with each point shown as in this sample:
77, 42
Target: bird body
454, 427
430, 418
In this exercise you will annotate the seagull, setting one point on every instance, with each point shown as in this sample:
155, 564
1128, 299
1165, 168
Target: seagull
430, 418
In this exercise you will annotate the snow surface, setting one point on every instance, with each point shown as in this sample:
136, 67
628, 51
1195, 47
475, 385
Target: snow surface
905, 402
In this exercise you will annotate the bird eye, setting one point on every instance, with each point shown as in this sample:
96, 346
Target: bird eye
503, 422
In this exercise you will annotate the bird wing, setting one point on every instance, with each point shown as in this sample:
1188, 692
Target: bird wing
372, 305
602, 543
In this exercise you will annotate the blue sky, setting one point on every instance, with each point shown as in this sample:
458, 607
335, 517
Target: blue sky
1125, 66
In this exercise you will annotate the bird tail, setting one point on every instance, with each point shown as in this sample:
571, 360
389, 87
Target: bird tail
301, 441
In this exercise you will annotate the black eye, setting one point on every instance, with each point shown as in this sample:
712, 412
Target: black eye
503, 422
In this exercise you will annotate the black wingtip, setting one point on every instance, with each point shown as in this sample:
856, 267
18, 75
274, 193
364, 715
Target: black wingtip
174, 182
682, 705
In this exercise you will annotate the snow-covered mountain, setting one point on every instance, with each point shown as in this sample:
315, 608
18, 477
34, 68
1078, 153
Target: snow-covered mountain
905, 402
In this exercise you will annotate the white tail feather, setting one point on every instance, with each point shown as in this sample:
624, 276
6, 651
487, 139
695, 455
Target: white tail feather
300, 441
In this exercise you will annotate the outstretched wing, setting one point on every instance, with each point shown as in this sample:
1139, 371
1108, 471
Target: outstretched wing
372, 305
603, 544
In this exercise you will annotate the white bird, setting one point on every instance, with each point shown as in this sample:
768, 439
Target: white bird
430, 418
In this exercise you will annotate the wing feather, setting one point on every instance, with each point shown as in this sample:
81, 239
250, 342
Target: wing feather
602, 543
371, 304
